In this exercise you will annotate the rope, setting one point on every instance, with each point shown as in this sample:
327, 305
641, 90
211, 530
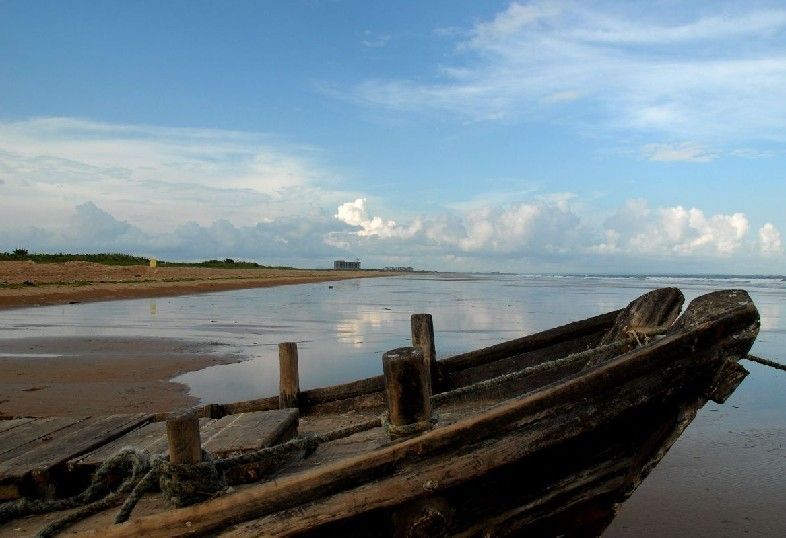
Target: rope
495, 382
181, 484
128, 461
196, 481
308, 443
766, 362
407, 429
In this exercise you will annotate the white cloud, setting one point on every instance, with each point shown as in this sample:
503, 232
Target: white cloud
92, 229
528, 235
638, 229
158, 175
770, 240
685, 152
715, 78
543, 227
356, 214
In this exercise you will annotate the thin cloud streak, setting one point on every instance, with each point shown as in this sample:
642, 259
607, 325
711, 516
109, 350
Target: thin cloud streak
691, 80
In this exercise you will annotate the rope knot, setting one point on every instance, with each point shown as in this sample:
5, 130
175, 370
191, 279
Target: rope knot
407, 429
183, 484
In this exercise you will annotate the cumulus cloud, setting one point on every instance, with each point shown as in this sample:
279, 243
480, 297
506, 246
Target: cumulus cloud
699, 77
520, 227
294, 239
545, 232
356, 214
549, 232
545, 227
638, 229
91, 225
770, 240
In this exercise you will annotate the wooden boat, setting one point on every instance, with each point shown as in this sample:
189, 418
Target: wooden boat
543, 435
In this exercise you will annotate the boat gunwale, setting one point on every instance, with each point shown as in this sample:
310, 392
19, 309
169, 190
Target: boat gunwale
454, 363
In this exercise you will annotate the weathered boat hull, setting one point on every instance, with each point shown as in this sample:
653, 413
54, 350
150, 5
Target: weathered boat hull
550, 461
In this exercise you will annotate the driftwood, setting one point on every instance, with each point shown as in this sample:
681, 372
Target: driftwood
540, 433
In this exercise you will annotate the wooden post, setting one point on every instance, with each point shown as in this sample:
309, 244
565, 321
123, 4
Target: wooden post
182, 431
407, 391
288, 380
423, 338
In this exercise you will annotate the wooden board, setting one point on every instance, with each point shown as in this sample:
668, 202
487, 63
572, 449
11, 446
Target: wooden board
34, 449
150, 438
250, 431
31, 433
231, 434
6, 425
77, 438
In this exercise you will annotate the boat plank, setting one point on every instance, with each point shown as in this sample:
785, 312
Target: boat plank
250, 431
6, 425
150, 438
231, 434
29, 435
71, 441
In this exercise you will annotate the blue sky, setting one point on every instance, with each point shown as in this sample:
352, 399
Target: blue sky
530, 136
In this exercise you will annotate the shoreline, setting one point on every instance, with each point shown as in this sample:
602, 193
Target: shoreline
83, 376
76, 282
73, 376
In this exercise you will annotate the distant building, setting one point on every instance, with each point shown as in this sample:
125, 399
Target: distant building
400, 269
341, 264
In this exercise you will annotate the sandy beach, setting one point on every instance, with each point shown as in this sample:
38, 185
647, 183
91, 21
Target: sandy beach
74, 376
105, 375
26, 283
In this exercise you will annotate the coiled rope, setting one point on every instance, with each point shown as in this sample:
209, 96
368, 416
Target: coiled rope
94, 499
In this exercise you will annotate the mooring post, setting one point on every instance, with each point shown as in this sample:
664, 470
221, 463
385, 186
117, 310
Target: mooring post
423, 338
182, 431
407, 390
288, 380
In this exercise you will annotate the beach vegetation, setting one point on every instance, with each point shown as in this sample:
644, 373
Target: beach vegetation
116, 258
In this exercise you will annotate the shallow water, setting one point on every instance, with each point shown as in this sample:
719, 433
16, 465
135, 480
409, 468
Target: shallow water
717, 470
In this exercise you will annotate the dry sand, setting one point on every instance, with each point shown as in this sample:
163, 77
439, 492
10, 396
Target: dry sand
62, 283
87, 376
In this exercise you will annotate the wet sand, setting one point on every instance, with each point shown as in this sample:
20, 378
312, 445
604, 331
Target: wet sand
27, 283
99, 376
731, 487
83, 376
